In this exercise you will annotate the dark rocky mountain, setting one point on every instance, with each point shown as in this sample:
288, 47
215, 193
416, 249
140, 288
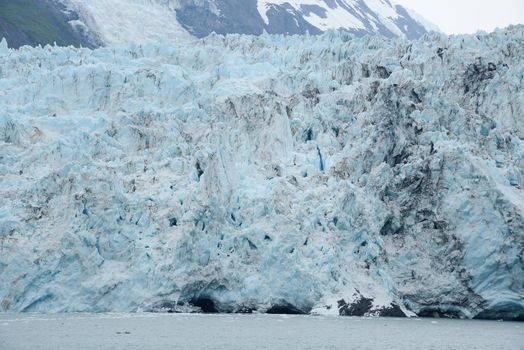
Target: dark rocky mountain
34, 22
300, 17
98, 23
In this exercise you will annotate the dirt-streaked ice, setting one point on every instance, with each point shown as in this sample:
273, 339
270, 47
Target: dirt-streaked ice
243, 173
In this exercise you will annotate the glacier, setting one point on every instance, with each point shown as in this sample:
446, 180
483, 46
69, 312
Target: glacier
280, 174
117, 22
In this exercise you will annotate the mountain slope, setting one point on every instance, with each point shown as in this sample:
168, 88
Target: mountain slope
358, 16
273, 173
34, 22
114, 22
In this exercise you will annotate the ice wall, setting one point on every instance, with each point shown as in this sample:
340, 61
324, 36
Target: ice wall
282, 174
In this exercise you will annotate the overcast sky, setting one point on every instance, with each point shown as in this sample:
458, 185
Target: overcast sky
468, 16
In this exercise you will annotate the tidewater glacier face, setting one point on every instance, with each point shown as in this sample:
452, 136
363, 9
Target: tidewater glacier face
320, 174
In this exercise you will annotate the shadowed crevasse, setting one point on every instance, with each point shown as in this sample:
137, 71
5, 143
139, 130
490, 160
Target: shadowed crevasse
416, 176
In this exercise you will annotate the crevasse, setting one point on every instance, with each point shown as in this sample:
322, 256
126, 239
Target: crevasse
320, 174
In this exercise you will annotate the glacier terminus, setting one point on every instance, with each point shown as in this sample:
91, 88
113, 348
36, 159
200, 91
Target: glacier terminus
324, 174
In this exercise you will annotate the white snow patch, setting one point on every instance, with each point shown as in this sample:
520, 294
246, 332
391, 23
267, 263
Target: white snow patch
335, 18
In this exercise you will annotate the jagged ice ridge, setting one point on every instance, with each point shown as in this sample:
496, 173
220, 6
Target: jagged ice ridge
320, 174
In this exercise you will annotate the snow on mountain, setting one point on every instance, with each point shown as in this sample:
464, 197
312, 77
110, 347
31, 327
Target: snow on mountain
272, 173
116, 22
316, 12
365, 16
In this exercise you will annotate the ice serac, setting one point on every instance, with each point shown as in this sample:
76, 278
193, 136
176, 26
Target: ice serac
324, 174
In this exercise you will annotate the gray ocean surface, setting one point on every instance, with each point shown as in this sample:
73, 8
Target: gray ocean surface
225, 332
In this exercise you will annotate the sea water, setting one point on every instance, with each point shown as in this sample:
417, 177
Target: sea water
256, 331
